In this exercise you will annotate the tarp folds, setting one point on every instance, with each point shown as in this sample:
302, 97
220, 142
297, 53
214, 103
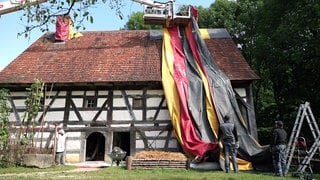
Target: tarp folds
199, 94
180, 109
64, 29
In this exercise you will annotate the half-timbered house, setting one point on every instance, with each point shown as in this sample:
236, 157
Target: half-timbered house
105, 89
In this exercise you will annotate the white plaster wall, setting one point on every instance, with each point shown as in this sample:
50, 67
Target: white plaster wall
19, 103
156, 144
57, 102
80, 93
155, 91
101, 101
78, 102
156, 133
163, 114
53, 116
103, 92
129, 92
119, 102
153, 101
74, 138
121, 115
173, 143
73, 141
90, 93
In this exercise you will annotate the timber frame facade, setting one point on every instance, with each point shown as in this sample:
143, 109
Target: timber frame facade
98, 119
105, 90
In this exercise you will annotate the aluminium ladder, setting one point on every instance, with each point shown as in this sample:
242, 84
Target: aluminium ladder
304, 112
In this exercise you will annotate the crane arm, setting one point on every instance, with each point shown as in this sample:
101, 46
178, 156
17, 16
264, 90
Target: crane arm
16, 5
162, 13
152, 3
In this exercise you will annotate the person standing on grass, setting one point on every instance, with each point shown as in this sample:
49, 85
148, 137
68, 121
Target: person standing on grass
230, 143
278, 149
61, 146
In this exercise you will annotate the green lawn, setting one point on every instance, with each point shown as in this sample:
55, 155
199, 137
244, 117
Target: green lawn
118, 172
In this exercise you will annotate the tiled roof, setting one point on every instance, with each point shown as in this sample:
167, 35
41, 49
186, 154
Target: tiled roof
110, 56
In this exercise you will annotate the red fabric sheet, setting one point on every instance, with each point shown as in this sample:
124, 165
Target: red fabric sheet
62, 28
192, 143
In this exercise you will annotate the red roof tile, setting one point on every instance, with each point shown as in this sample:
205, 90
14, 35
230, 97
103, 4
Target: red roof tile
110, 56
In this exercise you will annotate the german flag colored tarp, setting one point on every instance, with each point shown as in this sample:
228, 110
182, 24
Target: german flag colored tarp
199, 94
64, 29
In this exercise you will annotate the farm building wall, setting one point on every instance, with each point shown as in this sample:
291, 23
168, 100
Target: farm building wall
97, 120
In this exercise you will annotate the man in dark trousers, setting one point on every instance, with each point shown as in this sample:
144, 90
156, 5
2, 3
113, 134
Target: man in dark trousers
230, 143
278, 148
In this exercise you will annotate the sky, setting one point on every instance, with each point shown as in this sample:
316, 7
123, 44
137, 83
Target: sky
105, 19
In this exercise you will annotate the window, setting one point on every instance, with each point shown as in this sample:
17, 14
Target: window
137, 102
90, 102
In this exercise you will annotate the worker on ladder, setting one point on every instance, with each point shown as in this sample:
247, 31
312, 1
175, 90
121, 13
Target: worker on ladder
278, 146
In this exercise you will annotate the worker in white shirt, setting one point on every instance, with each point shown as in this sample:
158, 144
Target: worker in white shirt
60, 148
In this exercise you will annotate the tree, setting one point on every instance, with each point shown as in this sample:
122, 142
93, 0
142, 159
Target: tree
221, 14
287, 36
13, 141
136, 22
33, 104
42, 15
4, 118
4, 127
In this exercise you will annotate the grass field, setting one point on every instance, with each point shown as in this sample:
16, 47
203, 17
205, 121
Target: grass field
120, 172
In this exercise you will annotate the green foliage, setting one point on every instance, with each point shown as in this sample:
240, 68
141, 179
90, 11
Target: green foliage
43, 15
11, 149
4, 118
221, 14
4, 127
24, 170
136, 22
280, 41
288, 56
264, 135
33, 106
33, 101
120, 172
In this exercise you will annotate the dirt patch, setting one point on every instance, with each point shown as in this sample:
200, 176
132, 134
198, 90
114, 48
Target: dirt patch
84, 169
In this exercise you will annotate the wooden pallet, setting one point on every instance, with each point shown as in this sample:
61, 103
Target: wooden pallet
152, 164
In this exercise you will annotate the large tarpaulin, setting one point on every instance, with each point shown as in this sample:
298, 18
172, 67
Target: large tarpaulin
64, 29
199, 95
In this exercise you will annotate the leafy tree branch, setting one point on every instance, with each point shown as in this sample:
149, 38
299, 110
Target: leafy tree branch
42, 15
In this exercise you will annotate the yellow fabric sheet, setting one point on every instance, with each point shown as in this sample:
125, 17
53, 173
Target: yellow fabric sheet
169, 86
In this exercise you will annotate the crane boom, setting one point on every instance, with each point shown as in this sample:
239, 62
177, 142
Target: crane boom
155, 12
16, 5
150, 3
